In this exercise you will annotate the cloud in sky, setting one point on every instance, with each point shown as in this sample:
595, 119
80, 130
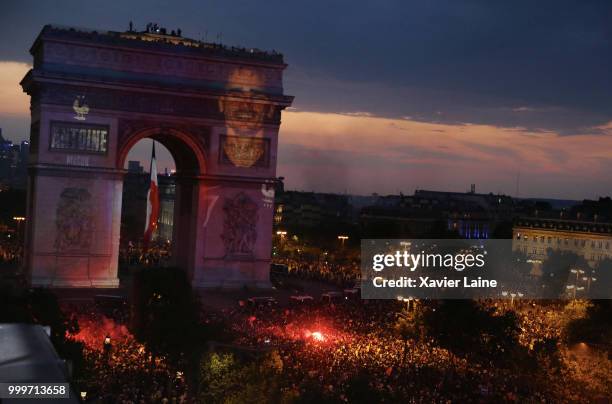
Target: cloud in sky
403, 93
333, 152
473, 61
13, 101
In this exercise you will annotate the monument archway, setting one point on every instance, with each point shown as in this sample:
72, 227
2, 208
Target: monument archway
216, 109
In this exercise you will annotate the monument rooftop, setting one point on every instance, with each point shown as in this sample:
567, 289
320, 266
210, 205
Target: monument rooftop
160, 40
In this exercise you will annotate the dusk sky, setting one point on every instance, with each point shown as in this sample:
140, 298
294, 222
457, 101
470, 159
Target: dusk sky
394, 95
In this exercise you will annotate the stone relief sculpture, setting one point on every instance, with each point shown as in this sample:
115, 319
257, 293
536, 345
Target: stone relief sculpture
240, 225
73, 220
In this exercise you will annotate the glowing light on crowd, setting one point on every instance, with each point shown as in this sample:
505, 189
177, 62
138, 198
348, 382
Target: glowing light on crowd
317, 336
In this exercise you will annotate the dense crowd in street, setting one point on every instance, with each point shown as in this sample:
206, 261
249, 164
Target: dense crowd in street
329, 345
10, 253
122, 371
135, 255
340, 274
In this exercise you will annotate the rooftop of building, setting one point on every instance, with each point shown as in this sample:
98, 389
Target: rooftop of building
159, 38
564, 224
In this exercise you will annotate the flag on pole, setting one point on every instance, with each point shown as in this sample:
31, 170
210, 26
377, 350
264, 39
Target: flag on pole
152, 202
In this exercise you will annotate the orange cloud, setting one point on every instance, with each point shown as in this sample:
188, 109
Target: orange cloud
449, 156
13, 101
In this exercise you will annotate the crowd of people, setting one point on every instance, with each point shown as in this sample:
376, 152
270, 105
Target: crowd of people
118, 369
135, 255
10, 253
342, 274
329, 345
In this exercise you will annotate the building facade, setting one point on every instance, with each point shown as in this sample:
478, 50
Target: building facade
534, 236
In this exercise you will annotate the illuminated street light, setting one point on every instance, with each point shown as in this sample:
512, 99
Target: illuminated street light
83, 395
574, 288
578, 273
343, 239
512, 295
282, 234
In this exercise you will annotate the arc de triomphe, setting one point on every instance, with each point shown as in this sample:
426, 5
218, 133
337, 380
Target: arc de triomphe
216, 109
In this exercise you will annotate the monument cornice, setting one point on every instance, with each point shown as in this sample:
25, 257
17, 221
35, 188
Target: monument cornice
81, 172
203, 106
159, 44
35, 77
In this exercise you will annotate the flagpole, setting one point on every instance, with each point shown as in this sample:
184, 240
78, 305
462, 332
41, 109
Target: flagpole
152, 156
152, 201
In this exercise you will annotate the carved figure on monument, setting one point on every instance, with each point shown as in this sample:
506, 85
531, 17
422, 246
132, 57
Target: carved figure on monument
73, 220
240, 225
80, 108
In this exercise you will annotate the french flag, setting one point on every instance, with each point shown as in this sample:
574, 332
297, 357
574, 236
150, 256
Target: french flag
152, 203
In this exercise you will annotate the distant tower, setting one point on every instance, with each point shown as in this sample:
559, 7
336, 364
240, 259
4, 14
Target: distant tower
472, 188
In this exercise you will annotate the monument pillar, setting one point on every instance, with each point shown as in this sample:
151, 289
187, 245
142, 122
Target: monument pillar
73, 240
235, 237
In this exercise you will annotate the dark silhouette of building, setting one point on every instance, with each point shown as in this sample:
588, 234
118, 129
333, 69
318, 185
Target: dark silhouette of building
13, 163
437, 214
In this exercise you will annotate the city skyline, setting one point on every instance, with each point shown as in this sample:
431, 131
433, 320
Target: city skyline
480, 94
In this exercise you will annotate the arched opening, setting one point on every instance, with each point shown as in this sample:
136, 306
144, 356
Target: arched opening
178, 160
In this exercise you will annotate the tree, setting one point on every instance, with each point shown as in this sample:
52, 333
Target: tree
408, 326
224, 378
165, 312
600, 283
359, 389
595, 328
546, 352
467, 328
556, 272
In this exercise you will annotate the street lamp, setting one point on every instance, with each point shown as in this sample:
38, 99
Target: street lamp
19, 220
342, 239
512, 295
410, 302
282, 234
572, 287
588, 280
577, 271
